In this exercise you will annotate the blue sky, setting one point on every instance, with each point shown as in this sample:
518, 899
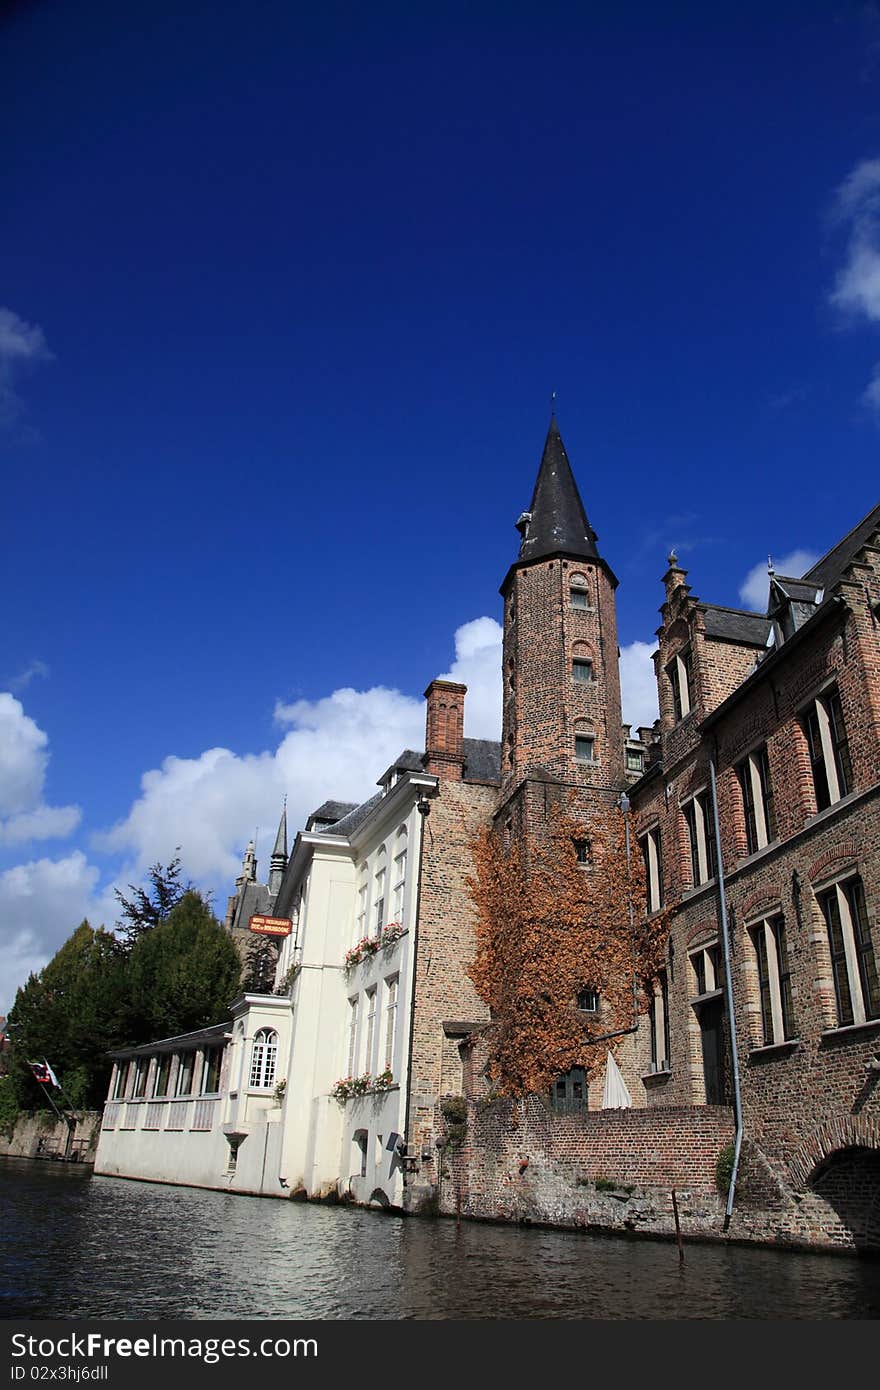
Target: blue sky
284, 296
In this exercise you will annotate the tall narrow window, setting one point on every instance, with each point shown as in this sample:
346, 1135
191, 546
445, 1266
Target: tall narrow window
379, 894
653, 860
680, 673
852, 955
211, 1070
371, 1028
701, 837
399, 876
360, 921
660, 1024
774, 981
184, 1074
757, 795
163, 1075
829, 749
352, 1034
263, 1059
141, 1067
390, 1022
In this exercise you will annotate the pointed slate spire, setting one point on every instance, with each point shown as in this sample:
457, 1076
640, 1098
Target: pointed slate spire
278, 862
556, 523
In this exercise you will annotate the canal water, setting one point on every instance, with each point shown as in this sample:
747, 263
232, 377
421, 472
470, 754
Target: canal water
73, 1245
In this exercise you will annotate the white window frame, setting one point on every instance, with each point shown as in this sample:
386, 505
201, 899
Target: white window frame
765, 930
371, 1028
652, 854
391, 990
699, 838
831, 765
264, 1060
858, 1002
354, 1011
750, 769
682, 695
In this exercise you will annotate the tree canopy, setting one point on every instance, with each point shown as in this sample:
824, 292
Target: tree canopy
179, 973
147, 907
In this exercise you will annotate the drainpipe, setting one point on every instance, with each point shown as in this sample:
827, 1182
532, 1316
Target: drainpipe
728, 990
623, 804
423, 806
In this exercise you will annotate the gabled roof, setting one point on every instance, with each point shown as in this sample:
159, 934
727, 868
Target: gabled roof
829, 570
735, 625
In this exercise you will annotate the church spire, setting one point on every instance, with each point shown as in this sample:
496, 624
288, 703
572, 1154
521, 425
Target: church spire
278, 862
556, 523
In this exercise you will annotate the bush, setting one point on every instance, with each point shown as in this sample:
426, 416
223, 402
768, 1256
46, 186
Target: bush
8, 1106
724, 1168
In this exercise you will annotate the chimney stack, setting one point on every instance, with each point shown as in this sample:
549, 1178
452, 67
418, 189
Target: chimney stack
444, 732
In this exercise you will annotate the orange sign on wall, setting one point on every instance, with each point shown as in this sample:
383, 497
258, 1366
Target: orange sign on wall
271, 926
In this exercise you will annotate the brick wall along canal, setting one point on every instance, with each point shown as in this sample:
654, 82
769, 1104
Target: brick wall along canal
79, 1246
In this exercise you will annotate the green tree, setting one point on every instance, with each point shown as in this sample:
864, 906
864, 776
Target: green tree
146, 908
181, 975
70, 1013
260, 962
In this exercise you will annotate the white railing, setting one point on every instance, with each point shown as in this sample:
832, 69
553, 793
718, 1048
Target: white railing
177, 1113
132, 1110
153, 1117
111, 1115
203, 1118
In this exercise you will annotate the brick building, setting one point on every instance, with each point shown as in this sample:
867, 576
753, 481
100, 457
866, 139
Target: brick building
781, 713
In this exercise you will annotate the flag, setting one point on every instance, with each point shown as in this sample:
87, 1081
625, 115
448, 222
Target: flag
44, 1073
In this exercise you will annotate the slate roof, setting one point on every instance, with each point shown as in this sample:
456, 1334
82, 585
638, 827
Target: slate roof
736, 625
348, 823
829, 570
482, 760
330, 812
184, 1042
559, 523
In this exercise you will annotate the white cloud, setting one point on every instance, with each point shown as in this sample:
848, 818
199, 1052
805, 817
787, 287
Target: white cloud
24, 756
857, 207
478, 666
41, 903
21, 345
755, 588
638, 684
333, 748
44, 823
871, 396
24, 678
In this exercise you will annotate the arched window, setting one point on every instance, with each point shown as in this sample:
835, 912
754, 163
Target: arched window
263, 1059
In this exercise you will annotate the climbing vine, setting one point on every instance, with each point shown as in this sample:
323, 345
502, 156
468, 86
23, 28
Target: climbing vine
549, 929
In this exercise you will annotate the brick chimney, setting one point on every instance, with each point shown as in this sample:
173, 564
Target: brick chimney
444, 732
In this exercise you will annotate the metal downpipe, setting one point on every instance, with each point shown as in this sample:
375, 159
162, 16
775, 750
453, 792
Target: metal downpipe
728, 990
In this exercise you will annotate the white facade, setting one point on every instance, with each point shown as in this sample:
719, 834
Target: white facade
277, 1120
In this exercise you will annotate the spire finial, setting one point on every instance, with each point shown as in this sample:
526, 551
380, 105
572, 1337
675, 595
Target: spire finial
672, 558
552, 404
770, 570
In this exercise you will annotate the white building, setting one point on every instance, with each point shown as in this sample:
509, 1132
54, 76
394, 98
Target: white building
305, 1090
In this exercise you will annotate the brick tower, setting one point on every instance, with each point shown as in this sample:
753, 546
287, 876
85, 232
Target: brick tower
561, 711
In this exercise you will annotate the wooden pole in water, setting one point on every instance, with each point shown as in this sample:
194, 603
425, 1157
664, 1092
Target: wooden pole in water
677, 1229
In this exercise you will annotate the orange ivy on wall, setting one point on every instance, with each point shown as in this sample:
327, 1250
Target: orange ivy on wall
552, 927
